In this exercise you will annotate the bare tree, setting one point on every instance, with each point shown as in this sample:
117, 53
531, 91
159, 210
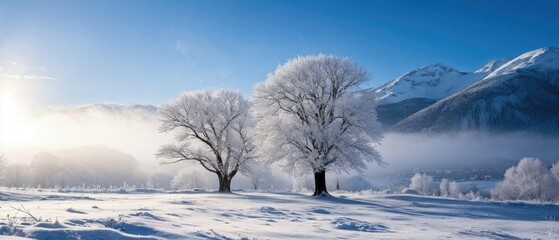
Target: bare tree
159, 181
311, 116
187, 178
213, 128
256, 172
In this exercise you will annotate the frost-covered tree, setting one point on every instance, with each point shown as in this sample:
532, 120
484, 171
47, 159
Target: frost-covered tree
312, 117
422, 183
256, 172
18, 175
555, 171
298, 184
530, 180
187, 178
213, 128
3, 164
159, 181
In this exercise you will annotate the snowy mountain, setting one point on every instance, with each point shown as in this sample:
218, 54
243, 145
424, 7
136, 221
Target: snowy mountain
432, 81
493, 65
520, 95
418, 89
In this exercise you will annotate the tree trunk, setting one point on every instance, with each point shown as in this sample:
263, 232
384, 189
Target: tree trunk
224, 183
320, 184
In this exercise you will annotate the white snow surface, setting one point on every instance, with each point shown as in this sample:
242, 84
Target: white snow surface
259, 215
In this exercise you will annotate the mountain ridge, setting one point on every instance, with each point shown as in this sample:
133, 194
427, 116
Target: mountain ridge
433, 81
520, 95
417, 89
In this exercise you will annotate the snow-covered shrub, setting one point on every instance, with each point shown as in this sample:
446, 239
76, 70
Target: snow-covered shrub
454, 190
444, 188
449, 189
422, 183
555, 171
471, 195
530, 180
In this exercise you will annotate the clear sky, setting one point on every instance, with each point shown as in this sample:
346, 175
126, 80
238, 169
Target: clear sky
68, 53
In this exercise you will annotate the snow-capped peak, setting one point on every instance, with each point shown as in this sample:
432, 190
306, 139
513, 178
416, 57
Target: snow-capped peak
536, 61
431, 70
493, 65
435, 81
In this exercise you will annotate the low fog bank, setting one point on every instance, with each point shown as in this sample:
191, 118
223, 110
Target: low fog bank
471, 158
465, 157
109, 146
93, 166
114, 145
461, 151
130, 129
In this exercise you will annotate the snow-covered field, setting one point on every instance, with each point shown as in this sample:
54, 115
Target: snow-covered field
258, 215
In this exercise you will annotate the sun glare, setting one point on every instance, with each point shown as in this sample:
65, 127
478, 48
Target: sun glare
14, 127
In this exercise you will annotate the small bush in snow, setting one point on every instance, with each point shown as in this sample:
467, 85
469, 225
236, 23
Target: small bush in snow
530, 180
471, 195
449, 189
454, 190
422, 183
444, 188
555, 171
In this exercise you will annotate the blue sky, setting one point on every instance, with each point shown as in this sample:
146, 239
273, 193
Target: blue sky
68, 53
